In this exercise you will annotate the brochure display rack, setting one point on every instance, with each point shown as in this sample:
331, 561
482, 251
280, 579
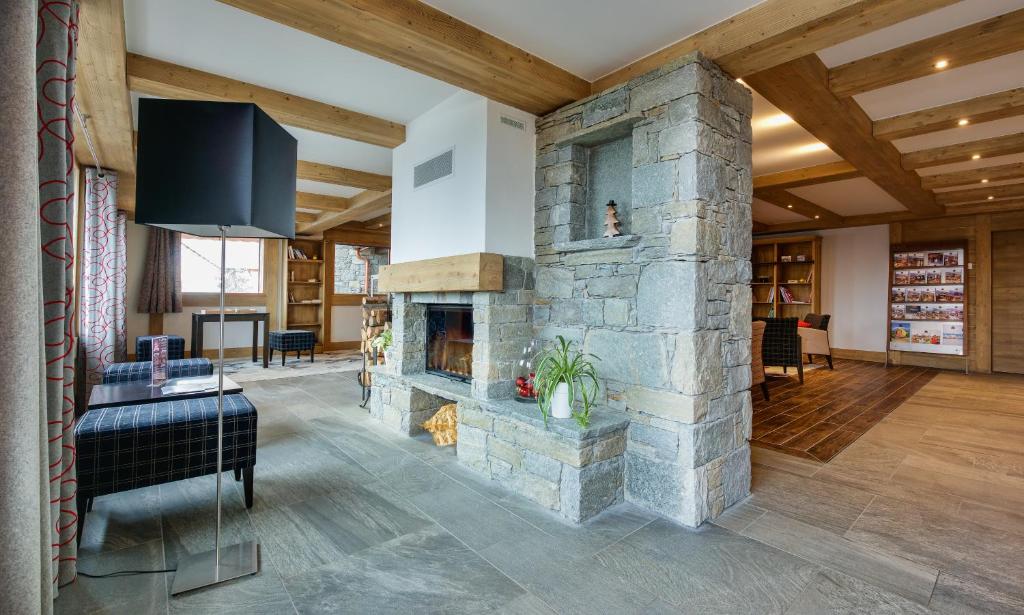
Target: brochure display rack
928, 298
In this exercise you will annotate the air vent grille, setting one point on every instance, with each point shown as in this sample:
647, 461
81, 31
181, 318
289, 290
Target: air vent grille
513, 123
432, 170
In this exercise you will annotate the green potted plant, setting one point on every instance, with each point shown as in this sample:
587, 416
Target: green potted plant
382, 343
565, 376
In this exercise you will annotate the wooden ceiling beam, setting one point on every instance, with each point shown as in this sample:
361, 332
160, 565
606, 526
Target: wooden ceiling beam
340, 176
799, 89
896, 216
419, 37
984, 40
321, 202
159, 78
791, 202
302, 217
965, 152
808, 176
101, 88
971, 195
974, 176
777, 31
974, 111
360, 205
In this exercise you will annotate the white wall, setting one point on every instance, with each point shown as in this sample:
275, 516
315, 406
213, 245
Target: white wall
511, 169
446, 217
346, 323
854, 285
486, 205
236, 334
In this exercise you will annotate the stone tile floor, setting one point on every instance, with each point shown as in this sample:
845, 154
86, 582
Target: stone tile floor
355, 519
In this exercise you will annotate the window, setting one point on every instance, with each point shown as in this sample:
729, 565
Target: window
200, 265
350, 267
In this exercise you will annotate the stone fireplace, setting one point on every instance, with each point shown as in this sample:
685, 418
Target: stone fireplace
666, 307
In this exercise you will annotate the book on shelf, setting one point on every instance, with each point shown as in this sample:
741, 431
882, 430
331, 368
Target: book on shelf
785, 295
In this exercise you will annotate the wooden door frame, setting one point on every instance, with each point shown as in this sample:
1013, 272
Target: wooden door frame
332, 299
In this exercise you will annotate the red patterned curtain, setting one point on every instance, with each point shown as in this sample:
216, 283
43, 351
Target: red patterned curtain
56, 41
102, 338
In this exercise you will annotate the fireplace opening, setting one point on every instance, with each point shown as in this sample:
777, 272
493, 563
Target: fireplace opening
450, 341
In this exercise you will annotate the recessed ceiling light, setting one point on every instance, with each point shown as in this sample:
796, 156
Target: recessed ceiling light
990, 197
740, 80
941, 64
789, 207
984, 181
975, 156
816, 216
963, 122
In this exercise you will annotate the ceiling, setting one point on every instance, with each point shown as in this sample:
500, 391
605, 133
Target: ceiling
589, 38
782, 146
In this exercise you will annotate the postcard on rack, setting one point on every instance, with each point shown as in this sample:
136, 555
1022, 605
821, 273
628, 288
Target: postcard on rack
951, 259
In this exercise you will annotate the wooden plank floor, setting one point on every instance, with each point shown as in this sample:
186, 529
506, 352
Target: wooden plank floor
926, 504
820, 418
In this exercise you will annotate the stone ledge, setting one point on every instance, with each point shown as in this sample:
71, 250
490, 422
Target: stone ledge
610, 130
601, 243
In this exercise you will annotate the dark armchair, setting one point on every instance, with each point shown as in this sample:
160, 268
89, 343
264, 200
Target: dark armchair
782, 346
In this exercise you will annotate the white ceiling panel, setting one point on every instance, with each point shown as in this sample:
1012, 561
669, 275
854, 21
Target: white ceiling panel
971, 132
944, 87
970, 165
850, 197
591, 38
771, 214
210, 36
916, 29
780, 144
305, 185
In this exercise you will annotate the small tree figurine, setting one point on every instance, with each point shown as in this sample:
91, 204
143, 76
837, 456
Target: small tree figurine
611, 221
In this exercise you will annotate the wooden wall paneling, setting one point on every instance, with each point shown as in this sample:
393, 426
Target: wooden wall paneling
273, 280
1007, 298
983, 294
156, 325
328, 296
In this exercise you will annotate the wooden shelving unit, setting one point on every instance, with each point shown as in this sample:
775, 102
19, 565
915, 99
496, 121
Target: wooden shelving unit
305, 281
777, 265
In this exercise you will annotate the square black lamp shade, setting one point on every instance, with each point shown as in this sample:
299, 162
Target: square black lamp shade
202, 165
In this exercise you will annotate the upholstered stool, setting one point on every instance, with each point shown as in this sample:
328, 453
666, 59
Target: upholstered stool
128, 447
292, 339
144, 347
142, 370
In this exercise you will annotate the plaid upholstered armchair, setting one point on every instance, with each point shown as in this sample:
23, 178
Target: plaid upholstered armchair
782, 346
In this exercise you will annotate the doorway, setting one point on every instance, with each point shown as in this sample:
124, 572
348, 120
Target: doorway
1007, 298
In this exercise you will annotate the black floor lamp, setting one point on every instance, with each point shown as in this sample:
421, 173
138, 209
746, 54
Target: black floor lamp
215, 169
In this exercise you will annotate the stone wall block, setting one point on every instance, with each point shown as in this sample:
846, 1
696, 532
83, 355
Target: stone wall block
627, 356
554, 282
654, 184
672, 294
589, 490
605, 107
696, 237
623, 286
667, 87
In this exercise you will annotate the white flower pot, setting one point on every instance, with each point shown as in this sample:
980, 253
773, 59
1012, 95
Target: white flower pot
560, 402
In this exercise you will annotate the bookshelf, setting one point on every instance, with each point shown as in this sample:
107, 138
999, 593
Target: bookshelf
928, 298
786, 277
305, 283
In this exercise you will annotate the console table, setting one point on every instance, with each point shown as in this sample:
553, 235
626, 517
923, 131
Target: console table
200, 318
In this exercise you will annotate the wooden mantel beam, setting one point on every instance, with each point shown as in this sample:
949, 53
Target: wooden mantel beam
419, 37
159, 78
777, 31
984, 40
799, 89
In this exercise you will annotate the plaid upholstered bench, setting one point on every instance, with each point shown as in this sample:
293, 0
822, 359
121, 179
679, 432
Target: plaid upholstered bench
292, 339
128, 447
141, 370
144, 347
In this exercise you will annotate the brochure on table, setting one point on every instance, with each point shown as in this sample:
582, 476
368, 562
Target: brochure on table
927, 301
158, 373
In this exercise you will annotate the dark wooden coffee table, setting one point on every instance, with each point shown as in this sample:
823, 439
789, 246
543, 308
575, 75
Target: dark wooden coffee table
130, 393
